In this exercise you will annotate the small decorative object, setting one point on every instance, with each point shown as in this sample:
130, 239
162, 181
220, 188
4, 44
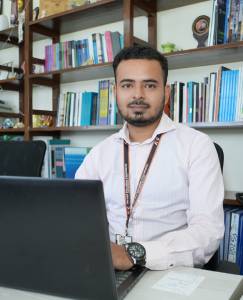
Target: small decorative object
8, 123
36, 13
200, 29
20, 5
19, 125
168, 47
42, 121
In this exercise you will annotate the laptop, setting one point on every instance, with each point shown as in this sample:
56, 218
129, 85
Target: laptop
55, 239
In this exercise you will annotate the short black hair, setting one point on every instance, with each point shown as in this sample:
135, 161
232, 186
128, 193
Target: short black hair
142, 52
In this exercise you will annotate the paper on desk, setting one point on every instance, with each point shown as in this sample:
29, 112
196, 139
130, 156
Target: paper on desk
179, 282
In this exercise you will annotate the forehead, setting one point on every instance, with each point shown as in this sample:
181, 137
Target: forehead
139, 69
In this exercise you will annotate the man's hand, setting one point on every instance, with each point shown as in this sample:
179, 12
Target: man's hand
120, 258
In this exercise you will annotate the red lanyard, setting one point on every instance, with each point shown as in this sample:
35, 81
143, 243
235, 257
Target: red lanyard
129, 208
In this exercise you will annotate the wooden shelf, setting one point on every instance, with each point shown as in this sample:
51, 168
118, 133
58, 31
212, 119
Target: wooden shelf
11, 130
9, 38
218, 54
10, 115
215, 125
181, 59
82, 17
76, 128
11, 84
165, 4
81, 73
232, 202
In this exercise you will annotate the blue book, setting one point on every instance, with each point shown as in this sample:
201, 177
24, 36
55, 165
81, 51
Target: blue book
86, 112
73, 158
227, 231
221, 246
227, 96
222, 96
234, 94
239, 254
234, 235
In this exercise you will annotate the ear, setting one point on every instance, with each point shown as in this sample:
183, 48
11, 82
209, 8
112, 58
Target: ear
167, 100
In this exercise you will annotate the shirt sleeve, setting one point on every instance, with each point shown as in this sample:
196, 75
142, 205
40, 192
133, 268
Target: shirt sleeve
196, 244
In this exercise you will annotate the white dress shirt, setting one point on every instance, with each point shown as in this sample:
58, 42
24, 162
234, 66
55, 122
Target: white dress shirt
178, 216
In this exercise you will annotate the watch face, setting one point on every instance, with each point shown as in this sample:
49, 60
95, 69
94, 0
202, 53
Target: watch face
136, 250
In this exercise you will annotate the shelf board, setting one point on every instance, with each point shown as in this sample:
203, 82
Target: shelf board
82, 73
82, 17
117, 127
165, 4
11, 84
232, 202
10, 115
12, 34
76, 128
217, 54
11, 130
215, 125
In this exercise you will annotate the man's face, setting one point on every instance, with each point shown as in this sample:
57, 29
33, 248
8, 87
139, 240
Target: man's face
140, 91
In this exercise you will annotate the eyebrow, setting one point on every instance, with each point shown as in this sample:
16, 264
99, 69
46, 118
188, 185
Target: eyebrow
145, 80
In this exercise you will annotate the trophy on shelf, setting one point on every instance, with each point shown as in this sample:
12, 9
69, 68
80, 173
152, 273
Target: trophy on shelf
200, 29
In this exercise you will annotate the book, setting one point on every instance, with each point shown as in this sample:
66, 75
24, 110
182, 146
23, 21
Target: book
234, 235
217, 92
103, 102
55, 150
73, 158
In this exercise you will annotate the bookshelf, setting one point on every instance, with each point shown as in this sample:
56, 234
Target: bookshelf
105, 11
108, 11
9, 39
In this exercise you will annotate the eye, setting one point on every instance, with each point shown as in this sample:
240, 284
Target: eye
150, 85
126, 85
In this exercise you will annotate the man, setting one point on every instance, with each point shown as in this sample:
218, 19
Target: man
162, 181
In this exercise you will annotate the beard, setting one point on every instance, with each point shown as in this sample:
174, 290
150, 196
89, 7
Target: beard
138, 119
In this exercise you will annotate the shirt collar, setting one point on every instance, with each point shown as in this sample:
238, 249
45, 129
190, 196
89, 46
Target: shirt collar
165, 125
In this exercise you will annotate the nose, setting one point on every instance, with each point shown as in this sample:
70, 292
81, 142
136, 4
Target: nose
138, 92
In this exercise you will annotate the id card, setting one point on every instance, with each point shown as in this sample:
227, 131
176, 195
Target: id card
123, 239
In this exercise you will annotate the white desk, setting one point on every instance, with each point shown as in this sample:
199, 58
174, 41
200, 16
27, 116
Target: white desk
213, 286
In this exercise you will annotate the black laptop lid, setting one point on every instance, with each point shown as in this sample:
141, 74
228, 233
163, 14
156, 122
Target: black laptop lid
54, 238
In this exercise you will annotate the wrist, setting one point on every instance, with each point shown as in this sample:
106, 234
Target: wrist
136, 253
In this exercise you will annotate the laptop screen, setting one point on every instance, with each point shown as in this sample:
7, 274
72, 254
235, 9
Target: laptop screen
54, 238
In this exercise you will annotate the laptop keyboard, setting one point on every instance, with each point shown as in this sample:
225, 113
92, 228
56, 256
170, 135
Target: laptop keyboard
121, 276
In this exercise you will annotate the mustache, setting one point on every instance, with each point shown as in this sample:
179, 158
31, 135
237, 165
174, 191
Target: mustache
138, 102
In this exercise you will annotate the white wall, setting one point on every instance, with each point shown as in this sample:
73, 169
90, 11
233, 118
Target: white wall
173, 26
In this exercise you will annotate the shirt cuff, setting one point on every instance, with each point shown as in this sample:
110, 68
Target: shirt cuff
158, 257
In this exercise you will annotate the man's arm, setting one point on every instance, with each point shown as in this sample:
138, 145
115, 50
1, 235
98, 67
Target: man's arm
195, 244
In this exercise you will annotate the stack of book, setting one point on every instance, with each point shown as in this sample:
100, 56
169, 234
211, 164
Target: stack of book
218, 98
226, 24
62, 160
98, 48
232, 244
89, 108
73, 158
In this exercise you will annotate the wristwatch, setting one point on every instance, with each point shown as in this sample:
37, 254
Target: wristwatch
137, 253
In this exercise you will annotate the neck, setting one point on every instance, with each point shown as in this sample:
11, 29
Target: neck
140, 134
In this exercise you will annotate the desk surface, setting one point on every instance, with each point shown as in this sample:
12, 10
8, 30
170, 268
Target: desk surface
180, 283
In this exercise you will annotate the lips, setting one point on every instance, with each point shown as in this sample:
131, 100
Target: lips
138, 105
